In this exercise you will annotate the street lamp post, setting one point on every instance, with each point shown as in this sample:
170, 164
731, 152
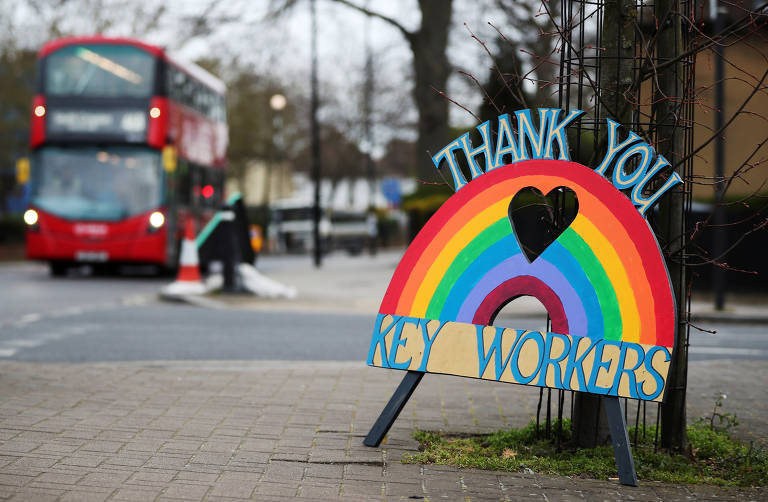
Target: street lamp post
367, 115
277, 103
318, 254
719, 221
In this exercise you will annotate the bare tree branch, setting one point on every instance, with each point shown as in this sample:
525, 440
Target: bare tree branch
368, 12
731, 29
717, 133
443, 94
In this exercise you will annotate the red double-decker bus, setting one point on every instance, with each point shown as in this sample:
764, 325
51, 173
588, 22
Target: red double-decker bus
126, 145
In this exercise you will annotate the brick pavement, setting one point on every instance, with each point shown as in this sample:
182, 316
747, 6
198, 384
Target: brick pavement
226, 431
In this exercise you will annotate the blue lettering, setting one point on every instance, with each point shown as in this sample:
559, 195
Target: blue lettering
597, 365
644, 203
397, 342
614, 148
505, 136
428, 342
447, 154
577, 363
548, 360
557, 133
629, 372
494, 350
655, 374
549, 140
485, 148
539, 339
378, 339
621, 180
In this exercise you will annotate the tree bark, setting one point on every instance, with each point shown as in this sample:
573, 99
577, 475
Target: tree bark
668, 115
590, 424
431, 69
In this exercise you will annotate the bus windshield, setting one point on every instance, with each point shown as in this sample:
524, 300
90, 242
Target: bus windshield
99, 70
88, 183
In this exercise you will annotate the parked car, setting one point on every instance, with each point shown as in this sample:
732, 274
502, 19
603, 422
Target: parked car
291, 229
350, 230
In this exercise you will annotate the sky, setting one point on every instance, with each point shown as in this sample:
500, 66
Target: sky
280, 46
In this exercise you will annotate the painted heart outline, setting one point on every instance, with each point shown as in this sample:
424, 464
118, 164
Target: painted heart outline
537, 219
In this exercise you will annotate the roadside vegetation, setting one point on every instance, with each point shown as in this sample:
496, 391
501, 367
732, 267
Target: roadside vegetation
713, 456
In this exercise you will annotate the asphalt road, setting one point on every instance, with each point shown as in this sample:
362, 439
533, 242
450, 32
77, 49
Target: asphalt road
83, 318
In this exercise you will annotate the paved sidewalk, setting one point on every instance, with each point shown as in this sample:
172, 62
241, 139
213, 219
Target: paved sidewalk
226, 431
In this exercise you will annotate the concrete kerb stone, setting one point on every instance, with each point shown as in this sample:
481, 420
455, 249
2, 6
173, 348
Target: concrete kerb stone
207, 431
733, 317
206, 301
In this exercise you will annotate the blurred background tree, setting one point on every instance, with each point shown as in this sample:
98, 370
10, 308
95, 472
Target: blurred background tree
17, 68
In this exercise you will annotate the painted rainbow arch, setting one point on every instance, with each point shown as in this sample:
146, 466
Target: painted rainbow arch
603, 281
603, 278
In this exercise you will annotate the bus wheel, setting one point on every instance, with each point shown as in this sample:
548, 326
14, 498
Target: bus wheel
104, 269
57, 268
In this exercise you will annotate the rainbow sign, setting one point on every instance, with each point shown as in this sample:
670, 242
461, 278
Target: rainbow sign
603, 280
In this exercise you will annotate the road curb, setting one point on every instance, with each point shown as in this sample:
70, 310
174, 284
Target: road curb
197, 300
729, 318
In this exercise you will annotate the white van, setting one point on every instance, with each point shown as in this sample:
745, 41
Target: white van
290, 229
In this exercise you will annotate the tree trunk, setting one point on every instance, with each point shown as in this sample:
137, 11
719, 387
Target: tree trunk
671, 144
431, 69
590, 424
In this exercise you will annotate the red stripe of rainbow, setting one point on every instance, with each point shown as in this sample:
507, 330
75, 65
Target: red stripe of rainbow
621, 264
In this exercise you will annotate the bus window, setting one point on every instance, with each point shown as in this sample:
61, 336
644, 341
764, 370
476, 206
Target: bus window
99, 70
184, 183
194, 95
220, 109
90, 183
175, 83
196, 177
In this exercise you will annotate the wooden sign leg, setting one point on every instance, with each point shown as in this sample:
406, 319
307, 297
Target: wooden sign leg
621, 449
393, 408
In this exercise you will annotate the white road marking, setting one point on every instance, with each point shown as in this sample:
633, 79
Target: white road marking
135, 300
28, 318
22, 343
9, 348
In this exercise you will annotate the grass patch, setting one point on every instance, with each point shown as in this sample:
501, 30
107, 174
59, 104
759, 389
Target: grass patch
714, 458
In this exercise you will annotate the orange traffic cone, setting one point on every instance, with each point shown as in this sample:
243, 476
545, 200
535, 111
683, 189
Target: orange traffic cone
188, 281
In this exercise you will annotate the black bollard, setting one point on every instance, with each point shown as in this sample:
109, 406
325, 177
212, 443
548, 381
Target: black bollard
230, 252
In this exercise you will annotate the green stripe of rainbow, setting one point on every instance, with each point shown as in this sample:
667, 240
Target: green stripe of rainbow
605, 269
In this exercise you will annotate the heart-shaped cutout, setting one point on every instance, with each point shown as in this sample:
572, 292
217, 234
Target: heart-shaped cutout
538, 219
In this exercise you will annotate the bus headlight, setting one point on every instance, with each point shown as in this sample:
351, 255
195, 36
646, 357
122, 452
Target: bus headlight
156, 219
30, 217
